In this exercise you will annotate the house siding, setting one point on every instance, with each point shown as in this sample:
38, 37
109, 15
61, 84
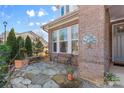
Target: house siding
93, 61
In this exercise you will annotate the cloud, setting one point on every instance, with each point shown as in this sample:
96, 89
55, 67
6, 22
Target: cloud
54, 8
52, 19
31, 13
37, 23
18, 22
31, 24
42, 12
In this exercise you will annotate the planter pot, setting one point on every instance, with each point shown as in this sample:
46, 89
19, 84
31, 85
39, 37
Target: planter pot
70, 77
111, 83
20, 63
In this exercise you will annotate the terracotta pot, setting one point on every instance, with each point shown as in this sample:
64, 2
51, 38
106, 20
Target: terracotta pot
19, 64
70, 76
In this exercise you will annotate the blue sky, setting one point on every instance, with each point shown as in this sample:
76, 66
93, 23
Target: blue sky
27, 17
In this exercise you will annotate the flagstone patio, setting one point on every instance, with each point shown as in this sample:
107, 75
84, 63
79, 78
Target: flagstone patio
39, 75
46, 75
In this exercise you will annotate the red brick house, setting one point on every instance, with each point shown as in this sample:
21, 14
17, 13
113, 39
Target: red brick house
94, 34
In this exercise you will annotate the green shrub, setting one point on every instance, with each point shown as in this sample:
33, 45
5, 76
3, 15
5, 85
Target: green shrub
4, 53
4, 58
20, 47
39, 45
70, 69
111, 77
28, 46
11, 41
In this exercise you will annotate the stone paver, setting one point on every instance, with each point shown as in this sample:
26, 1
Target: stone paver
17, 80
34, 86
19, 85
40, 79
37, 75
26, 81
50, 84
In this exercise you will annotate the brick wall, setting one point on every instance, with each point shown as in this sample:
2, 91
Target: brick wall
63, 57
92, 61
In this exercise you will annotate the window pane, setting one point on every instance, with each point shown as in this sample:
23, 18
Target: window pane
63, 46
75, 46
54, 47
63, 34
62, 10
67, 8
74, 31
54, 36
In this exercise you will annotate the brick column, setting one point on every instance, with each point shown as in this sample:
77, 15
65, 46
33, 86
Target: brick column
93, 61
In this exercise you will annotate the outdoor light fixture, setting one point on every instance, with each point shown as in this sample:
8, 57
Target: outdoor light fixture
5, 24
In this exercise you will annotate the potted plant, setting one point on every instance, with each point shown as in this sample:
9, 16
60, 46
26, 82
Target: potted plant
20, 59
70, 71
111, 79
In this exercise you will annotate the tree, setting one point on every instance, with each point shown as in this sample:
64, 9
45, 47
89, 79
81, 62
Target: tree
28, 46
20, 45
11, 41
39, 45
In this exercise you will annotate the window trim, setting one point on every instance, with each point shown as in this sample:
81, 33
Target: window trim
75, 39
54, 42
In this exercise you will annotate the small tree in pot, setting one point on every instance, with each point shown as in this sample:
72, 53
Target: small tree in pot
20, 62
70, 71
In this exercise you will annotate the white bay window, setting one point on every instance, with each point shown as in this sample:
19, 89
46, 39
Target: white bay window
65, 40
